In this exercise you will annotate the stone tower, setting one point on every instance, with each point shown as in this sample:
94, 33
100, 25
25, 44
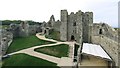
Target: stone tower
87, 26
63, 27
79, 26
75, 27
71, 26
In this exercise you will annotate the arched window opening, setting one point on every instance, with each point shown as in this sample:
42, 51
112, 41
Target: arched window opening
74, 24
100, 31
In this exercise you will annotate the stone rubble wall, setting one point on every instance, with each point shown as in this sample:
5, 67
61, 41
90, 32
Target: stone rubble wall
6, 40
109, 45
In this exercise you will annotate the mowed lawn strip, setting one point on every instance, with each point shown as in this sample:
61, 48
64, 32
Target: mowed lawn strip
26, 60
26, 42
61, 50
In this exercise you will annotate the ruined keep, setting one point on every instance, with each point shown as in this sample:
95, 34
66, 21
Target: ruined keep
76, 26
51, 25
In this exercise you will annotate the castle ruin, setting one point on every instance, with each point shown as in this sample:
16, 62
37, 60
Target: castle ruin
79, 27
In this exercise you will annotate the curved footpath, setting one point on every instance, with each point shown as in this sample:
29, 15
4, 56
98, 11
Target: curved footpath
64, 61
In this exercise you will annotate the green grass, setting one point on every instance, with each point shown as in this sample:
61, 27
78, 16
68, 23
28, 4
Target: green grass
57, 51
26, 42
54, 35
0, 64
26, 60
4, 26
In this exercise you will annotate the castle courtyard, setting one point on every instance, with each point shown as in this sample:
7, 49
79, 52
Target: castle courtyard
73, 41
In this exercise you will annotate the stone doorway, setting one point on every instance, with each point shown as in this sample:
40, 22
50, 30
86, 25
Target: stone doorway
45, 32
72, 38
36, 31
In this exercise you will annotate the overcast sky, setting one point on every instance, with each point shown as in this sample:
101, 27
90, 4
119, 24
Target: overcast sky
41, 10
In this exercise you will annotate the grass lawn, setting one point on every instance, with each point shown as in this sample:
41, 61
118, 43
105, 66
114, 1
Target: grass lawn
61, 50
54, 35
0, 64
26, 60
26, 42
4, 26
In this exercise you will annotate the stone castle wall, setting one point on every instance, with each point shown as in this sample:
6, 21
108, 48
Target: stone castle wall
6, 40
64, 26
109, 45
87, 26
56, 26
24, 29
107, 37
77, 26
71, 26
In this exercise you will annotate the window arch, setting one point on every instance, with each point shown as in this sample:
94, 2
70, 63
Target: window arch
74, 24
100, 31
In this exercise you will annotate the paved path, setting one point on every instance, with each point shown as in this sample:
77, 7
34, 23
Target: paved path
30, 51
41, 55
40, 36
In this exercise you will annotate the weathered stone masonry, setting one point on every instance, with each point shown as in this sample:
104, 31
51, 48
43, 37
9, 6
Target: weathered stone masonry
79, 26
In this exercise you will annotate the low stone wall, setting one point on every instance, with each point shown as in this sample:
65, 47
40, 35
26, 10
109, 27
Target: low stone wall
6, 41
5, 46
109, 45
